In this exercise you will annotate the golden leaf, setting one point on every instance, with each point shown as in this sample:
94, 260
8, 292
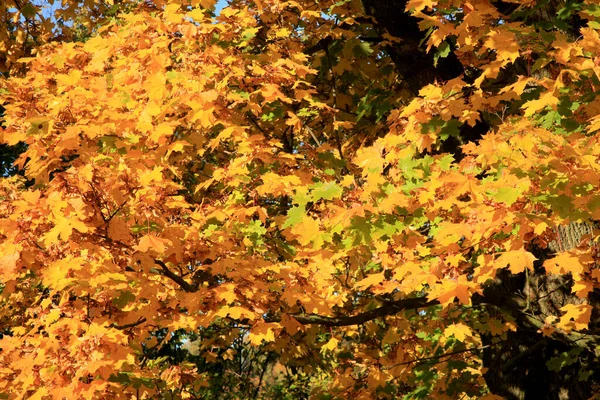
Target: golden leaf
460, 331
262, 331
330, 346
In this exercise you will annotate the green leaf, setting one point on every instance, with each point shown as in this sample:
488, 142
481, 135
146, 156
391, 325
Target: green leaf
28, 11
561, 204
564, 359
121, 377
249, 34
171, 75
139, 382
255, 232
446, 162
594, 203
507, 195
584, 375
443, 51
594, 24
569, 9
295, 216
363, 49
360, 229
306, 112
551, 118
593, 10
407, 166
146, 228
327, 191
123, 299
450, 128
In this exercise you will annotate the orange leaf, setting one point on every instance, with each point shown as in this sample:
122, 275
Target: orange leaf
516, 260
577, 316
565, 263
151, 242
262, 331
460, 289
373, 279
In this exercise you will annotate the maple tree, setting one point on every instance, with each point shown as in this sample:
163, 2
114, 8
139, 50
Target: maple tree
391, 198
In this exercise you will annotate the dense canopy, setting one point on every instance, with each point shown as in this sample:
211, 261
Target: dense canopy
282, 199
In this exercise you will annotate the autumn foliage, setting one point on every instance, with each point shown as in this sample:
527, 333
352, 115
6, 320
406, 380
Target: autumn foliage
273, 175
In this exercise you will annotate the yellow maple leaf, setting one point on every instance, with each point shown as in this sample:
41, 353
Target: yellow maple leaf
31, 197
226, 292
516, 260
63, 229
172, 14
307, 231
184, 322
155, 85
540, 228
283, 32
154, 175
460, 331
57, 273
331, 345
271, 92
519, 86
373, 279
205, 116
278, 185
420, 5
504, 43
161, 133
581, 287
39, 394
449, 233
52, 316
8, 260
235, 312
533, 106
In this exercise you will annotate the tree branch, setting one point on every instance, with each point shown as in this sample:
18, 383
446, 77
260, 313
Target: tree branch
390, 308
131, 325
510, 364
423, 360
175, 278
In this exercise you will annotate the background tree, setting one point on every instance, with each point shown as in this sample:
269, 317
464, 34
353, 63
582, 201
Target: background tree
384, 198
